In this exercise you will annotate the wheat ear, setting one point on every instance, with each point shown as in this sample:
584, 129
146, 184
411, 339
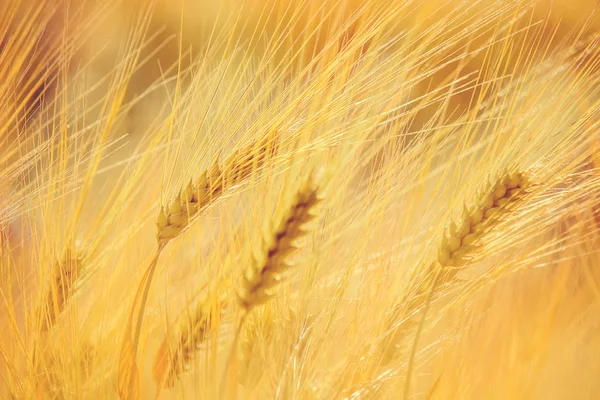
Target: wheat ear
64, 276
460, 239
269, 261
175, 355
211, 184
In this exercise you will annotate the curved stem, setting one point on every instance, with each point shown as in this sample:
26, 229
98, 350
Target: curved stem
145, 284
233, 351
413, 351
127, 377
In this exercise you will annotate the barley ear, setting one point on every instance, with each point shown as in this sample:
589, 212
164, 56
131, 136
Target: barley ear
460, 238
176, 352
456, 246
457, 243
268, 263
65, 273
212, 183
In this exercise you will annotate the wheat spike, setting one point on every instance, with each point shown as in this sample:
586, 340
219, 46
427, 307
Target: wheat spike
175, 355
269, 261
457, 243
458, 239
64, 276
196, 196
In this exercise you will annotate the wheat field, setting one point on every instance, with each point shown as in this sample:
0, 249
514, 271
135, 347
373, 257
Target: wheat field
311, 199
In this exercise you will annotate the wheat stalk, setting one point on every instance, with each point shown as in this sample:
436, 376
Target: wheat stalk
258, 328
128, 375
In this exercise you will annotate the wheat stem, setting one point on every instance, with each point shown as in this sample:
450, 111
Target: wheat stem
128, 380
413, 350
233, 350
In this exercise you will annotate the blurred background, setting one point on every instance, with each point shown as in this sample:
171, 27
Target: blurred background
189, 27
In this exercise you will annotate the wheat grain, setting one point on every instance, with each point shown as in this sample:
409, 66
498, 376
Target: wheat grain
269, 261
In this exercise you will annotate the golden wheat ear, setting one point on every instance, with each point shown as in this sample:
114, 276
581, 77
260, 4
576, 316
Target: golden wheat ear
490, 206
269, 263
64, 276
177, 351
211, 184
